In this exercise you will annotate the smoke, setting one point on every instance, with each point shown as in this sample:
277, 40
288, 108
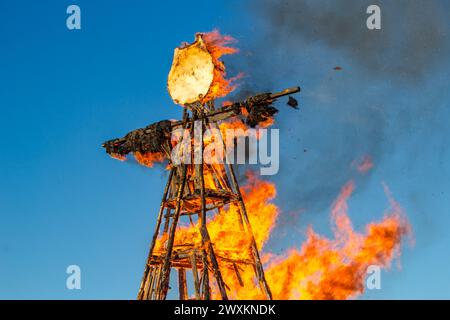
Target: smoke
413, 36
366, 108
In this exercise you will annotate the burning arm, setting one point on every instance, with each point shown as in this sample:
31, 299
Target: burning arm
153, 139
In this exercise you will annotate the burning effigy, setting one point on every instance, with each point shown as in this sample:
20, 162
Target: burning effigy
228, 225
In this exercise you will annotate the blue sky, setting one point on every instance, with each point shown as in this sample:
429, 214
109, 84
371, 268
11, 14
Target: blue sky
63, 201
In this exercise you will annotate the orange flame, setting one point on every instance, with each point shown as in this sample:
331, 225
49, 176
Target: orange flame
217, 46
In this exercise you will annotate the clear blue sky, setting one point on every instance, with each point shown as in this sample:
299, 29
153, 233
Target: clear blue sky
62, 93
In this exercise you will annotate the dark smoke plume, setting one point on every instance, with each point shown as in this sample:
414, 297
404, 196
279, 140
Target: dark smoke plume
349, 105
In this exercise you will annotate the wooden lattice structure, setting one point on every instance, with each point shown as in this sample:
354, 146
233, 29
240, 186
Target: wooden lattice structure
186, 195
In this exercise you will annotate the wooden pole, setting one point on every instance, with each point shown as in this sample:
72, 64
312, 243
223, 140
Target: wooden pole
152, 282
238, 274
156, 283
204, 231
243, 212
182, 286
156, 279
155, 234
206, 290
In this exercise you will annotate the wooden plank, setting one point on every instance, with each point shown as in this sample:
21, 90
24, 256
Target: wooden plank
238, 274
258, 265
195, 275
182, 285
149, 293
157, 283
165, 272
166, 266
155, 234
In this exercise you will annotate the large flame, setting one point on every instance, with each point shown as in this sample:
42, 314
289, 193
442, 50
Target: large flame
320, 268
